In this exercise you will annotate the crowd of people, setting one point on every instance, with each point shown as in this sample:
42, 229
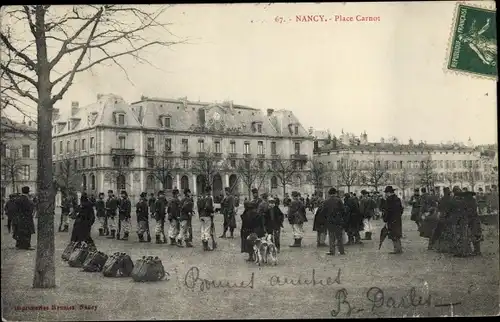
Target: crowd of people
456, 225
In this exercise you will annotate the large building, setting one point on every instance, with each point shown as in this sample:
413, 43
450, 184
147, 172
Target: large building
353, 163
18, 161
158, 143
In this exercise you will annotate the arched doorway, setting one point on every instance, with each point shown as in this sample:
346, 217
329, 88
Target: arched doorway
150, 183
120, 183
92, 182
217, 186
168, 183
84, 182
184, 182
233, 184
200, 184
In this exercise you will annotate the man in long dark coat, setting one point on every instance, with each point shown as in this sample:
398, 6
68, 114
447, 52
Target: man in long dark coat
319, 223
10, 210
274, 222
415, 207
229, 213
367, 210
354, 222
393, 218
250, 223
334, 212
297, 218
84, 221
473, 221
23, 223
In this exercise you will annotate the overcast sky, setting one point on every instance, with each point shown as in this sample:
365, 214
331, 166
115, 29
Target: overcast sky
386, 77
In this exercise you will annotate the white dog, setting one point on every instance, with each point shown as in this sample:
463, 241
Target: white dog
263, 249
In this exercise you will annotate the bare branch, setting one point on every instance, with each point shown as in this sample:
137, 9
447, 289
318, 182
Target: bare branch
29, 61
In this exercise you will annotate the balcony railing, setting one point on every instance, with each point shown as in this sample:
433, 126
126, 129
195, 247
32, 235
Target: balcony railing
233, 155
185, 153
150, 152
261, 156
297, 156
125, 152
168, 152
247, 155
217, 154
202, 154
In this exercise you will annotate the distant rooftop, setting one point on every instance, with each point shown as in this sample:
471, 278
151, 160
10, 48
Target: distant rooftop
8, 125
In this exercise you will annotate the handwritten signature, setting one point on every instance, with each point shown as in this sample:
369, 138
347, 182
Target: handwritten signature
192, 280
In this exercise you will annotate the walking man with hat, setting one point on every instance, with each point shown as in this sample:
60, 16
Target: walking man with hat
227, 209
393, 218
23, 223
334, 212
296, 218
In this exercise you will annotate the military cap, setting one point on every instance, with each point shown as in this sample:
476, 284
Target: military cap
25, 189
295, 194
175, 191
161, 192
186, 191
264, 195
144, 194
110, 191
123, 192
364, 192
255, 190
101, 193
390, 189
332, 191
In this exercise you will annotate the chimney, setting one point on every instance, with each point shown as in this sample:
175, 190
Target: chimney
74, 108
55, 114
270, 111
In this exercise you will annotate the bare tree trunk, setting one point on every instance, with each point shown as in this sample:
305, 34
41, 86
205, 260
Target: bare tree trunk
45, 271
284, 190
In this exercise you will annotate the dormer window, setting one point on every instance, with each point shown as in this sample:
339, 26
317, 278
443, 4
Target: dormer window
121, 119
166, 122
296, 129
257, 127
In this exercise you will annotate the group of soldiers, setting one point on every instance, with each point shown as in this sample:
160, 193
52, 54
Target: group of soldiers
453, 221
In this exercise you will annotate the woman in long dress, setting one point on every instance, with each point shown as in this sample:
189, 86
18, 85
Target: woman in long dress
84, 221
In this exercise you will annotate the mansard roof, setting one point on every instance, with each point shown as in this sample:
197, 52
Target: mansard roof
383, 147
10, 126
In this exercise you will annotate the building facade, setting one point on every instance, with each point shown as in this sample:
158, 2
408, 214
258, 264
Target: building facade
354, 164
158, 144
18, 160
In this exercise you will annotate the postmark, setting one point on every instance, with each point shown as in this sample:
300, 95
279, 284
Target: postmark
473, 48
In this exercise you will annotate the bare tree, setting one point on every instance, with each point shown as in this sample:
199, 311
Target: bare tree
376, 174
11, 165
427, 175
319, 174
284, 169
472, 174
252, 173
207, 165
404, 180
92, 35
450, 177
348, 172
67, 175
163, 169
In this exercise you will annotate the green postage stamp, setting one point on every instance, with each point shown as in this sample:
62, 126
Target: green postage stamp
474, 42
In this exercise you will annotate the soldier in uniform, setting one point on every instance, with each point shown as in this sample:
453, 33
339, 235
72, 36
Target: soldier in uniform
186, 213
296, 218
415, 203
354, 222
23, 223
10, 210
274, 222
205, 206
333, 211
393, 218
174, 212
319, 223
228, 205
481, 202
249, 221
160, 207
111, 209
100, 207
124, 213
142, 211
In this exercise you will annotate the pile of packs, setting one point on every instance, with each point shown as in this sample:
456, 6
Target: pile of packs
89, 259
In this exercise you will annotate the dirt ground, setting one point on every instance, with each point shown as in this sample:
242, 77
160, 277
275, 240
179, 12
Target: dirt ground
364, 283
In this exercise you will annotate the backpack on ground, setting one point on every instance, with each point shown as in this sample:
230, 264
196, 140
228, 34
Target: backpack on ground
68, 250
95, 262
118, 265
148, 269
79, 255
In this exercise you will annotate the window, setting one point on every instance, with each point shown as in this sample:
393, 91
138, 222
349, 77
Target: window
151, 144
75, 145
185, 163
84, 145
26, 172
168, 144
68, 146
150, 182
84, 163
121, 141
274, 164
92, 182
84, 182
121, 119
422, 164
233, 163
120, 182
273, 148
401, 164
26, 151
246, 148
259, 128
53, 149
60, 147
296, 129
217, 147
232, 147
166, 122
201, 145
116, 162
386, 164
184, 182
169, 182
247, 164
92, 162
185, 145
394, 164
75, 164
92, 142
260, 147
297, 147
274, 183
441, 164
151, 163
